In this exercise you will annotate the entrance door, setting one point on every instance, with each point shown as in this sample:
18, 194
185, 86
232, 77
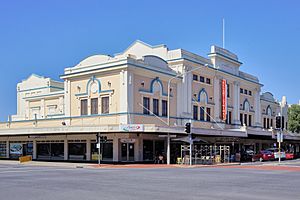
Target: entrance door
127, 151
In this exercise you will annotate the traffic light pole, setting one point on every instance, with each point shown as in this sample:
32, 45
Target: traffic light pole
279, 145
99, 149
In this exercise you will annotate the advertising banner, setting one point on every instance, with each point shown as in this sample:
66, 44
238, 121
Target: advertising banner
224, 99
16, 148
131, 127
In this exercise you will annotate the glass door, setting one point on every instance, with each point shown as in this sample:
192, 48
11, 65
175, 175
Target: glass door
127, 151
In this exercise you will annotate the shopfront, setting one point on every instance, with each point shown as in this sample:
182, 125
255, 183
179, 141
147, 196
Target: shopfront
77, 149
50, 150
20, 148
106, 149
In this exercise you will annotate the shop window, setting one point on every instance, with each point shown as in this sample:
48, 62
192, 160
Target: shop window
208, 114
94, 106
202, 113
146, 105
148, 151
77, 151
105, 105
2, 149
83, 107
164, 108
195, 112
195, 77
156, 106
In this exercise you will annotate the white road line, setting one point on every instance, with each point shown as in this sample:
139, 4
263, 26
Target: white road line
33, 170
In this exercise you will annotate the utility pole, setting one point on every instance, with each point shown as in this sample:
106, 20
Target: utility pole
99, 149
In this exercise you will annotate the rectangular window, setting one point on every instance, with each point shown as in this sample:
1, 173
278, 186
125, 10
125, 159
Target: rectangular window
271, 122
146, 105
195, 77
241, 119
208, 114
208, 80
164, 108
245, 119
105, 105
94, 106
201, 113
268, 123
241, 90
250, 93
195, 112
246, 91
264, 122
250, 120
202, 79
156, 106
83, 107
228, 119
228, 90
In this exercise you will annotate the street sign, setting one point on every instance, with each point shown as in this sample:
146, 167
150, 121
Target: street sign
98, 145
279, 137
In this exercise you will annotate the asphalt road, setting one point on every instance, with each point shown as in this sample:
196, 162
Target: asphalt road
45, 183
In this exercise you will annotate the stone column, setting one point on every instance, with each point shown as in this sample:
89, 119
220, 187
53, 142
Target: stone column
257, 108
66, 153
7, 149
88, 149
137, 150
116, 149
43, 110
236, 103
34, 150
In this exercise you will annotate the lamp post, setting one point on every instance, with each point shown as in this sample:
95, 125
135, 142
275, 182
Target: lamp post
168, 113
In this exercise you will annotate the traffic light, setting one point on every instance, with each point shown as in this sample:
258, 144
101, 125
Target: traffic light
187, 128
282, 122
278, 122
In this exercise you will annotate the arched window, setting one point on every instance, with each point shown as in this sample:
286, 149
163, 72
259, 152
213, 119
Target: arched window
203, 97
205, 111
245, 114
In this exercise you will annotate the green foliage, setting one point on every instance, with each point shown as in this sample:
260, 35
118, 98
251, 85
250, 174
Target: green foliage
294, 118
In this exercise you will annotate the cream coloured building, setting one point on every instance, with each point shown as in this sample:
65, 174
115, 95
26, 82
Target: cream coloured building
125, 98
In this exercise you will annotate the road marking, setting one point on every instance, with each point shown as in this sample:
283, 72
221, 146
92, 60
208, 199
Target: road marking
32, 170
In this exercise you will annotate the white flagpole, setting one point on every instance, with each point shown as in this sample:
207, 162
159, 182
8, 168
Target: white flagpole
223, 33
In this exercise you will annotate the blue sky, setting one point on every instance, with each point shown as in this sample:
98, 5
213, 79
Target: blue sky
44, 37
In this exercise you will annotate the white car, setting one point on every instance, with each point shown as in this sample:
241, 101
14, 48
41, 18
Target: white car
275, 151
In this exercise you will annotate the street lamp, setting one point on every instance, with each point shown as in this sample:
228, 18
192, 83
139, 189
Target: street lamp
168, 117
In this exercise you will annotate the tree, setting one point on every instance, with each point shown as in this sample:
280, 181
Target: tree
294, 118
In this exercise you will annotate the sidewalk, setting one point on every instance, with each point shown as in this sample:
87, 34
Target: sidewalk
107, 166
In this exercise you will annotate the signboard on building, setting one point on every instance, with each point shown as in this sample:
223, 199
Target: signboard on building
16, 148
131, 127
224, 99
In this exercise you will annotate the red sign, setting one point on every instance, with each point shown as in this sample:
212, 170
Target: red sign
224, 99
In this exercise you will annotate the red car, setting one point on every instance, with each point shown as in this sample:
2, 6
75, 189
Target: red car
289, 156
264, 156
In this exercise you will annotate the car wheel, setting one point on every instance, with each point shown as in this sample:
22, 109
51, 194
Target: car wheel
261, 159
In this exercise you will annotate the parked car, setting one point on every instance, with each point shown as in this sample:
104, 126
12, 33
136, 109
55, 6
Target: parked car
289, 156
275, 151
247, 155
264, 155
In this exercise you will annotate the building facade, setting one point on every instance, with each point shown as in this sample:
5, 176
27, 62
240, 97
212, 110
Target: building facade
125, 98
